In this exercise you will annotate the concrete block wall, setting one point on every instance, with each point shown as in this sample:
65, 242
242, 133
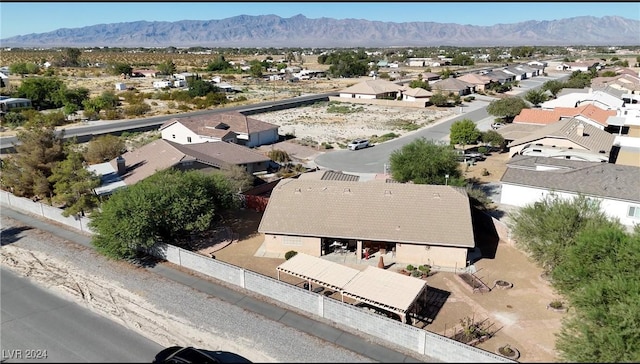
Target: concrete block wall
297, 297
211, 267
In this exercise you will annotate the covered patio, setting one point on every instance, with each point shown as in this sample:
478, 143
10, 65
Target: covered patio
374, 286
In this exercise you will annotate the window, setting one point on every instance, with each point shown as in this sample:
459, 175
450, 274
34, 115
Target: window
188, 139
634, 211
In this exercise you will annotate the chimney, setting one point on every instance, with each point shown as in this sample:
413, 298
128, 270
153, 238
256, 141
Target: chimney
122, 168
580, 129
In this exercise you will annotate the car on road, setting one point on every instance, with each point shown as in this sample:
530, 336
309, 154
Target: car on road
358, 144
495, 126
182, 354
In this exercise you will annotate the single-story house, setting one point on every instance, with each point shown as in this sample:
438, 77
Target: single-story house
144, 73
136, 165
570, 134
372, 89
424, 224
500, 76
430, 76
529, 179
416, 94
453, 85
230, 126
480, 82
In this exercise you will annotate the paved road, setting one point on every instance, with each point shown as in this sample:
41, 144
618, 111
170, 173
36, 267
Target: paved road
375, 159
51, 329
221, 315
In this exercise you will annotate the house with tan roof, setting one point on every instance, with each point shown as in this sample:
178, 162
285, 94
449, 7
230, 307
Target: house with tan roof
624, 82
529, 179
480, 82
425, 224
372, 89
567, 134
454, 85
140, 163
416, 94
231, 127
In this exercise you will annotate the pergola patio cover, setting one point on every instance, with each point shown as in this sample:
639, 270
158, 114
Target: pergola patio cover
320, 271
376, 286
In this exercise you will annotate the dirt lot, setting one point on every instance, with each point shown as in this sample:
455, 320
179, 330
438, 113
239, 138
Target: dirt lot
519, 315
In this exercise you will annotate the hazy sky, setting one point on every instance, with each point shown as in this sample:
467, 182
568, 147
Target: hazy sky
21, 18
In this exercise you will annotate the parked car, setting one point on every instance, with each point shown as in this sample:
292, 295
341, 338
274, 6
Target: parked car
181, 354
358, 144
495, 126
466, 156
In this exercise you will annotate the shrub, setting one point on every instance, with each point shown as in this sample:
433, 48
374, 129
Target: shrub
469, 98
137, 109
290, 254
482, 150
112, 114
416, 273
279, 156
485, 172
410, 267
556, 304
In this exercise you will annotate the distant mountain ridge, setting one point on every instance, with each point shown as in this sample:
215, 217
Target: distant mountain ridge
300, 31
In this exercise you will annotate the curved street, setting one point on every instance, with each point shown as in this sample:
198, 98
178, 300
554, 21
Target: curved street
375, 159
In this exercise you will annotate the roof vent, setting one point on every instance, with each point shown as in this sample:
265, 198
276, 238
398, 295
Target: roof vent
387, 192
298, 191
436, 195
346, 190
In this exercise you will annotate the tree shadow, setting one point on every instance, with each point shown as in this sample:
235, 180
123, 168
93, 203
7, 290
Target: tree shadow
144, 260
12, 234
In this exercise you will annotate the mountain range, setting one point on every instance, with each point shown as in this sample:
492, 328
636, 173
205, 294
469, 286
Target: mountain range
246, 31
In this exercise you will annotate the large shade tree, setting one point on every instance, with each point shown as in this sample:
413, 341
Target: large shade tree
162, 208
426, 162
507, 108
26, 172
464, 132
74, 185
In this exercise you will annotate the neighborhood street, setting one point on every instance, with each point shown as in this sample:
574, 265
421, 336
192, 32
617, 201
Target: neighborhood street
375, 159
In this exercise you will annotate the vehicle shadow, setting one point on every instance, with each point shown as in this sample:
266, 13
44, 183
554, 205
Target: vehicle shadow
12, 234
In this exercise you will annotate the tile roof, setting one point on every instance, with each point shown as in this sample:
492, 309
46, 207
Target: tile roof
400, 212
148, 159
221, 154
451, 84
372, 87
592, 139
516, 131
475, 79
221, 124
588, 178
543, 116
417, 92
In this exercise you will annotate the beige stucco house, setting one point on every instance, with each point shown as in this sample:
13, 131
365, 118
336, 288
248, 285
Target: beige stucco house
423, 224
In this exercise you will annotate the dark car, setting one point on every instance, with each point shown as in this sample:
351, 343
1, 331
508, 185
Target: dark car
181, 354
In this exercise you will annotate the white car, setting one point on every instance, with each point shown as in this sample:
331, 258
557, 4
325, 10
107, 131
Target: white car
495, 126
358, 144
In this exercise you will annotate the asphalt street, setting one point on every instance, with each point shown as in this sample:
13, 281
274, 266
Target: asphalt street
39, 326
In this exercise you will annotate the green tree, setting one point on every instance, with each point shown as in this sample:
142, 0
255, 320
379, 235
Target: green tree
19, 68
420, 83
218, 64
238, 177
70, 57
256, 69
599, 275
494, 139
546, 228
73, 185
464, 132
439, 99
26, 172
536, 97
42, 91
120, 68
201, 88
154, 210
553, 86
507, 108
167, 67
104, 148
425, 162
